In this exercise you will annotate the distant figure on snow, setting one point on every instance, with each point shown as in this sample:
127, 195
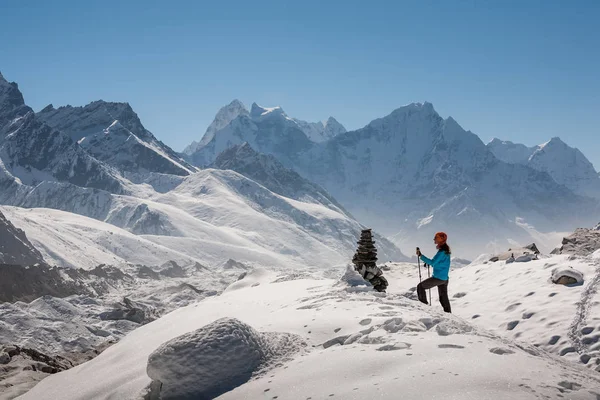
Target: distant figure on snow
441, 267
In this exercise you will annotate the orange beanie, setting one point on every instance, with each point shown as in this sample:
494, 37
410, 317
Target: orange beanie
442, 236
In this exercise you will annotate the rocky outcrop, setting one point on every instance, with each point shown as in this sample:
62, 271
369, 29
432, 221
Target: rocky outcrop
130, 311
582, 242
518, 254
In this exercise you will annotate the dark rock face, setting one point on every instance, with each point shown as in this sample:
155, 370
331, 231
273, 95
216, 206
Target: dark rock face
113, 133
33, 151
39, 361
15, 248
19, 283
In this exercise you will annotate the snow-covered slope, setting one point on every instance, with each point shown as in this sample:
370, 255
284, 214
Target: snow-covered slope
269, 172
356, 342
32, 152
519, 301
210, 216
566, 165
15, 248
225, 115
413, 173
113, 133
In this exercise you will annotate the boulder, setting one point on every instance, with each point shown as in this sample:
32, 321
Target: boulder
567, 276
215, 359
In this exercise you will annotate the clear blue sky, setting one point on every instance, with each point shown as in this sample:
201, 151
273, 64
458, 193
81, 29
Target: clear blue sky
522, 70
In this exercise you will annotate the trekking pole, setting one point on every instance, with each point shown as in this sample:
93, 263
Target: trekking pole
429, 276
419, 263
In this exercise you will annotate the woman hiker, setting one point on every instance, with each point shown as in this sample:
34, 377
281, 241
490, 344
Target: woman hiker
441, 267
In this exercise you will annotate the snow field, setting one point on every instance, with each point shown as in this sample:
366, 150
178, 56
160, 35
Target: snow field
359, 345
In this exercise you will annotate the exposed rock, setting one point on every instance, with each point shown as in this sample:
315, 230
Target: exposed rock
567, 276
582, 242
172, 270
131, 311
145, 272
518, 254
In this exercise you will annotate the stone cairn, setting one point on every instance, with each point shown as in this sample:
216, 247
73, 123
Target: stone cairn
365, 261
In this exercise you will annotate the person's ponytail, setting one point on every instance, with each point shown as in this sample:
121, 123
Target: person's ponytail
445, 248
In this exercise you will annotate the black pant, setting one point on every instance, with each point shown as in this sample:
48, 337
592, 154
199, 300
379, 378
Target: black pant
442, 290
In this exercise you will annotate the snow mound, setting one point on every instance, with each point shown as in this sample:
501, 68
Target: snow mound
252, 278
563, 275
216, 359
353, 279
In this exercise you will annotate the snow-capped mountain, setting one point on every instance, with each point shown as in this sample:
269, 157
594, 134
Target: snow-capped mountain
412, 171
15, 248
113, 133
566, 165
225, 115
31, 151
321, 131
267, 130
261, 127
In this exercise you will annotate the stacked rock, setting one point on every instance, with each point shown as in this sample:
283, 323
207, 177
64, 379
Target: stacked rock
365, 261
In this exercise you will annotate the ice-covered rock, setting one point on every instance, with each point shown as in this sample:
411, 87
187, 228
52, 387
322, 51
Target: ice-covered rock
567, 276
216, 359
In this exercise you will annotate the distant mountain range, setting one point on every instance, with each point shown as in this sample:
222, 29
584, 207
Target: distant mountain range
412, 173
91, 185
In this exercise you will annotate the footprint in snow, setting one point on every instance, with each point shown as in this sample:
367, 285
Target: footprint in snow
512, 325
512, 307
459, 295
587, 330
501, 351
450, 346
365, 321
395, 346
528, 315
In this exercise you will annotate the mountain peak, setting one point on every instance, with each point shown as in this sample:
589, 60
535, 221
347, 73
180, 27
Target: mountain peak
11, 97
262, 112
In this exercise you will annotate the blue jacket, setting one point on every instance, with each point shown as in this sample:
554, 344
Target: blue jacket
440, 264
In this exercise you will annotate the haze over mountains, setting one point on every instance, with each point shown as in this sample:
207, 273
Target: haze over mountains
412, 173
407, 174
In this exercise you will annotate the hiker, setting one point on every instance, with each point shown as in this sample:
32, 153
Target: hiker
441, 267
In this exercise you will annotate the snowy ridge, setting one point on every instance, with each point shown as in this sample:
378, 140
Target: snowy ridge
113, 133
32, 152
225, 115
566, 165
415, 171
